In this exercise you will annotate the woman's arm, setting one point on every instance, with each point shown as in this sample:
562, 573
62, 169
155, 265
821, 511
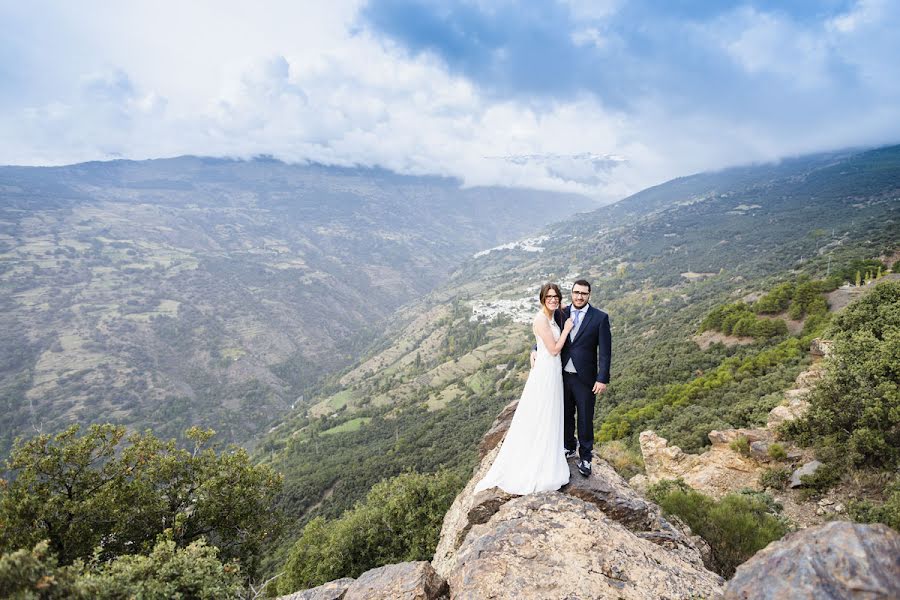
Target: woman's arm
541, 327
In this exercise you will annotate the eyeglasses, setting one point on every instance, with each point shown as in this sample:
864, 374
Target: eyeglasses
551, 297
574, 293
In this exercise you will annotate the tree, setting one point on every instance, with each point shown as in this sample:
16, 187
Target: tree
116, 495
854, 414
400, 520
167, 572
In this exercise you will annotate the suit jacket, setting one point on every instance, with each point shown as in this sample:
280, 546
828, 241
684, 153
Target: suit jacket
591, 350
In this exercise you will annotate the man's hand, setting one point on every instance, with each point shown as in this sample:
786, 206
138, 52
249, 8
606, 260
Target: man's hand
599, 388
533, 356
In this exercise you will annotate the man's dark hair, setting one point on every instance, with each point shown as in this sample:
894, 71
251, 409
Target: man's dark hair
582, 282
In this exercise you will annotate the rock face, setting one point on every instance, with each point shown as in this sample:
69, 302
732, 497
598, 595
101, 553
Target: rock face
498, 429
549, 545
835, 561
721, 470
463, 514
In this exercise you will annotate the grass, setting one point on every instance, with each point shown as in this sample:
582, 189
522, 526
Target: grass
351, 425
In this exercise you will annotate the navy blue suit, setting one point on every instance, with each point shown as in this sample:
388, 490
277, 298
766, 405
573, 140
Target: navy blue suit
591, 355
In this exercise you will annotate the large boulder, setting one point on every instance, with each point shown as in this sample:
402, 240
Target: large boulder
550, 545
834, 561
404, 581
333, 590
609, 492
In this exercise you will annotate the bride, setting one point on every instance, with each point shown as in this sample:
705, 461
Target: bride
531, 458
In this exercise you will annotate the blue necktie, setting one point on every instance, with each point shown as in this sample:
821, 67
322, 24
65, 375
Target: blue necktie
575, 320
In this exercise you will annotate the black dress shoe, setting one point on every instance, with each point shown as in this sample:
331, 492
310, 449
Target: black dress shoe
584, 467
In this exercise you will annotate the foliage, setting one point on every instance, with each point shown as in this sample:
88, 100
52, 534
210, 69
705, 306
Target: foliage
624, 420
741, 445
776, 300
626, 461
167, 572
775, 477
101, 490
887, 512
776, 451
854, 412
400, 520
735, 527
738, 319
32, 574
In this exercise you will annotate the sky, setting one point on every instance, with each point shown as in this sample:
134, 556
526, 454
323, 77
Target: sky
602, 98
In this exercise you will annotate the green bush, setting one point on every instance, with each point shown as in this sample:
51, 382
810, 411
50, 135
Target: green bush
167, 572
775, 477
855, 410
626, 461
735, 527
400, 520
35, 573
741, 445
776, 451
776, 300
101, 490
825, 477
888, 512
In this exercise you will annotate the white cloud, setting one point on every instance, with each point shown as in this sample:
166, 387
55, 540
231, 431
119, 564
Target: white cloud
299, 81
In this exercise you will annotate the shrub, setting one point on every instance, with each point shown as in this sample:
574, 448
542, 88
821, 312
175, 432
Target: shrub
167, 572
777, 452
855, 409
81, 492
866, 511
776, 477
625, 461
400, 520
741, 445
735, 527
826, 476
32, 574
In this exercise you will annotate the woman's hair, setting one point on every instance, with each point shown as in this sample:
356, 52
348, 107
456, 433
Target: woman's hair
546, 288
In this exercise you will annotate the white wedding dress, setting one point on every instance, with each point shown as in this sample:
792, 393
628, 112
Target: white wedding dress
531, 456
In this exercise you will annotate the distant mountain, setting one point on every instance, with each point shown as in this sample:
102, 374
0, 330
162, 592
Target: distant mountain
202, 291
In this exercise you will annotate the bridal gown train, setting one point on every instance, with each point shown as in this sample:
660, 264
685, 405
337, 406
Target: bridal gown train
531, 457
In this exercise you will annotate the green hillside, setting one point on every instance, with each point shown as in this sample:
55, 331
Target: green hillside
661, 262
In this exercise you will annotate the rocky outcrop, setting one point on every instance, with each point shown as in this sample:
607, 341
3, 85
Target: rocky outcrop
721, 469
820, 347
333, 590
404, 581
834, 561
717, 472
604, 488
550, 545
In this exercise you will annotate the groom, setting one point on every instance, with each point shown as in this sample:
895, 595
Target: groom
585, 361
